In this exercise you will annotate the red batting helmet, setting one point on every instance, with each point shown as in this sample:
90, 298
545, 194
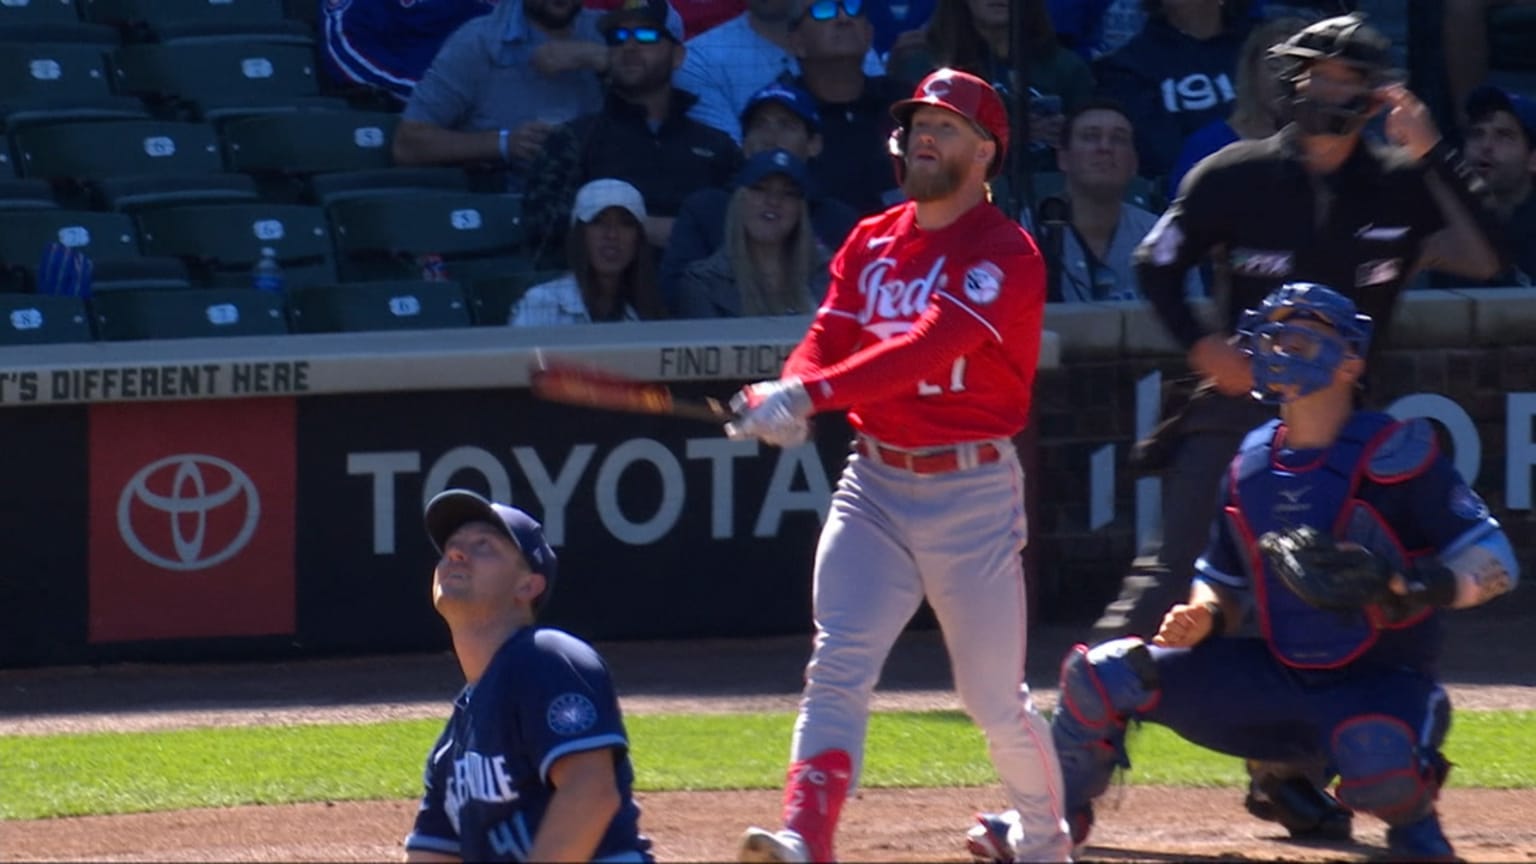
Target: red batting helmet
964, 94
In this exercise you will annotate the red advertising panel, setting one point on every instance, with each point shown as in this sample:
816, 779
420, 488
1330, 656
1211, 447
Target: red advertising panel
191, 520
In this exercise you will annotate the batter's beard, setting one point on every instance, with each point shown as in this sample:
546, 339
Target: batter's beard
541, 15
932, 186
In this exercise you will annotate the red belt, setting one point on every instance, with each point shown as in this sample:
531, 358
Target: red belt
935, 461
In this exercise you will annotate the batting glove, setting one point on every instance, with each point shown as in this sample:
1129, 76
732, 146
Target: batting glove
773, 412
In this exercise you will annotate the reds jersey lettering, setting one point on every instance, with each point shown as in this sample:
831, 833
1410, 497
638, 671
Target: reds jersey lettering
891, 305
982, 277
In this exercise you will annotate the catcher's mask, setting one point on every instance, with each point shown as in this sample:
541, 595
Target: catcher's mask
1291, 360
1348, 39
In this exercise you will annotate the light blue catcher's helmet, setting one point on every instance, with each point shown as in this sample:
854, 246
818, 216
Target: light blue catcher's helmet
1285, 355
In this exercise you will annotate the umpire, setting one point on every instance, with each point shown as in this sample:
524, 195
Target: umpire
1314, 202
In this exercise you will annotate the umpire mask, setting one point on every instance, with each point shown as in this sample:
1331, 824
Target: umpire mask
1350, 41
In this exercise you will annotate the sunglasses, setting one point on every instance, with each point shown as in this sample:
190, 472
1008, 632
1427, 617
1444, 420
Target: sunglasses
643, 35
826, 10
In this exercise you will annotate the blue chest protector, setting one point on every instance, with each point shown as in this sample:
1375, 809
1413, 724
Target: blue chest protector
1331, 494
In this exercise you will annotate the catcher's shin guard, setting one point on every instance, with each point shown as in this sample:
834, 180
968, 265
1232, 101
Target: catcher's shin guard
814, 791
1102, 688
1383, 770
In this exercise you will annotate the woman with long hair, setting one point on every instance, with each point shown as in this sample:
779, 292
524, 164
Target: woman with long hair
612, 275
769, 262
974, 35
1255, 112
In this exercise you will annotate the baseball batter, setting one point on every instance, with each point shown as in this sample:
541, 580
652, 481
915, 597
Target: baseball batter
534, 763
929, 335
1344, 666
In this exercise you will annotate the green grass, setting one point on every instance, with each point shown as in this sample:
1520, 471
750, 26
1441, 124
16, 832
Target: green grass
66, 775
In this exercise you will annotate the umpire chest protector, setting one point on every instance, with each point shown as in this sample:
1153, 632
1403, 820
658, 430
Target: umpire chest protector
1342, 491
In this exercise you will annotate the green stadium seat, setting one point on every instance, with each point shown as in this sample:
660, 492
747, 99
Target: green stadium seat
132, 164
492, 299
388, 234
328, 189
28, 194
222, 79
110, 239
201, 312
223, 241
42, 82
394, 305
198, 20
30, 319
50, 21
311, 142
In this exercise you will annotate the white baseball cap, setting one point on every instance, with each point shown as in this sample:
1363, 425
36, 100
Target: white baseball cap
599, 195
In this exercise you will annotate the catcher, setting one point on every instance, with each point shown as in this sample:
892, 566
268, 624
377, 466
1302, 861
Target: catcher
1345, 533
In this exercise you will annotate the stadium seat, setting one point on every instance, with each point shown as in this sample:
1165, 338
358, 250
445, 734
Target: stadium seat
492, 299
123, 315
223, 241
43, 82
393, 305
221, 80
131, 164
351, 149
198, 20
50, 21
28, 194
110, 240
29, 319
328, 189
384, 235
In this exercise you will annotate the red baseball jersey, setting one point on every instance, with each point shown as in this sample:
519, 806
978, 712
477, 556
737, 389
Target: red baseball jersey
929, 337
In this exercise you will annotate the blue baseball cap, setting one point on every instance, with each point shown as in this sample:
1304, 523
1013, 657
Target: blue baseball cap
791, 97
1489, 98
771, 162
452, 509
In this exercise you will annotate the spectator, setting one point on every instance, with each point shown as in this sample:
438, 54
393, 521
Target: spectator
895, 20
974, 35
1090, 251
500, 84
642, 135
611, 278
1255, 112
385, 45
731, 62
769, 263
696, 15
778, 117
1501, 149
1094, 28
855, 107
1464, 35
1175, 76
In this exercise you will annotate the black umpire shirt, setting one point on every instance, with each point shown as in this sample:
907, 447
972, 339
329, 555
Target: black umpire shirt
1267, 221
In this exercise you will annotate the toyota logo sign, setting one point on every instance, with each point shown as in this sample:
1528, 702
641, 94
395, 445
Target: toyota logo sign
187, 489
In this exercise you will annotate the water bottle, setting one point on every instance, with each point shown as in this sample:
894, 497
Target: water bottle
267, 275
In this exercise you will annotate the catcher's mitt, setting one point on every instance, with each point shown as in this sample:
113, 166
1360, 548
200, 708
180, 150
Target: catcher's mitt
1322, 572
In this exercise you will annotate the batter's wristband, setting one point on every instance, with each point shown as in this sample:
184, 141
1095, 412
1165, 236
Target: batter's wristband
501, 144
1218, 619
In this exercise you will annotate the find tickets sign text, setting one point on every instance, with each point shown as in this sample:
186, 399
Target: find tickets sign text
124, 382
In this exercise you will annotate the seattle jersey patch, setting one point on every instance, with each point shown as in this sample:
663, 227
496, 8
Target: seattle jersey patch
570, 714
983, 283
1468, 504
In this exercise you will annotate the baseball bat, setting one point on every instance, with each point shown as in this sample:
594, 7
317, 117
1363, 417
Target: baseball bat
582, 385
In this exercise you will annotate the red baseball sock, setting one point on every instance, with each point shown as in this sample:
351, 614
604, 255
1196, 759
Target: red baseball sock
814, 790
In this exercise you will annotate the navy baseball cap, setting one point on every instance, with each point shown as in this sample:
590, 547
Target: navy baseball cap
771, 162
658, 13
1489, 98
452, 509
791, 97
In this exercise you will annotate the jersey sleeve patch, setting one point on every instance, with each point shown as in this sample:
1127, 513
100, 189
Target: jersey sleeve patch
570, 714
983, 283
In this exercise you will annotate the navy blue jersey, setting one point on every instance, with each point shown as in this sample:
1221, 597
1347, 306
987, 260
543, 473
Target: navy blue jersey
1385, 485
546, 694
389, 43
